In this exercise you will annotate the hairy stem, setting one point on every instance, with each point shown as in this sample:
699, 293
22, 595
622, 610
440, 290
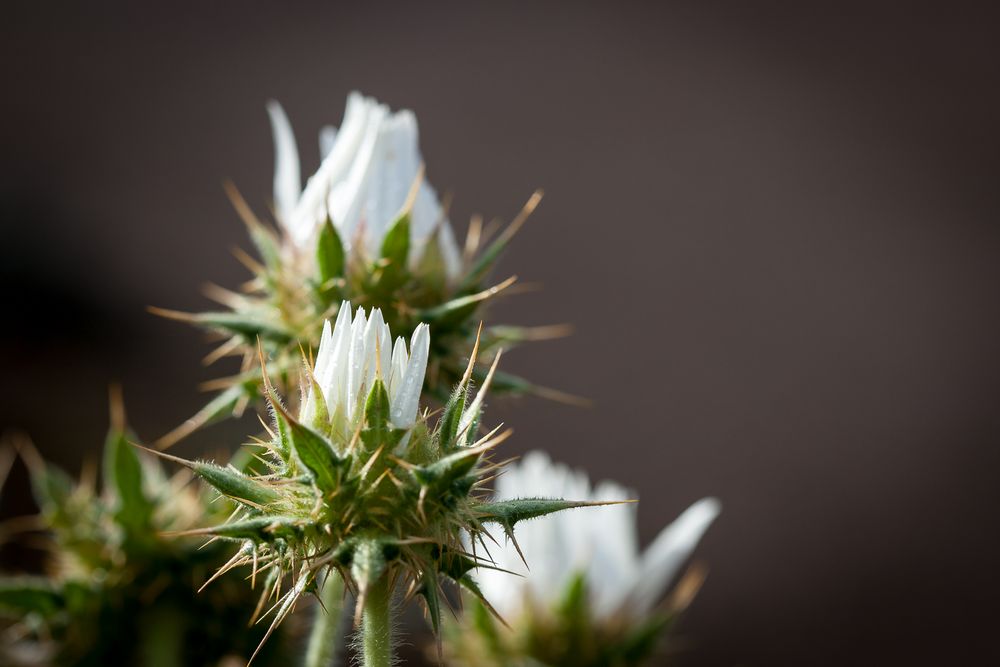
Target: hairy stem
377, 626
328, 624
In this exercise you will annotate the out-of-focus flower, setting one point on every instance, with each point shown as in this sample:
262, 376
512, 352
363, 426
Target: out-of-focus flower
118, 590
586, 571
369, 167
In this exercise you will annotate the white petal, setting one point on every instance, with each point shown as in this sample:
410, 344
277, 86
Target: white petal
404, 409
399, 360
334, 381
287, 181
311, 208
395, 165
669, 551
347, 197
327, 139
320, 368
356, 358
614, 562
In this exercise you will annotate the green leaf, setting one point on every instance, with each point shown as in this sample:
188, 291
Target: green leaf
27, 595
123, 477
329, 257
509, 512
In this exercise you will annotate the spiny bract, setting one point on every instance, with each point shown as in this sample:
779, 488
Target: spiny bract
361, 484
368, 229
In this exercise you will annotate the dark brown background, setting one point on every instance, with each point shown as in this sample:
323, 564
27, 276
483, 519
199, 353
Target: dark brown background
774, 228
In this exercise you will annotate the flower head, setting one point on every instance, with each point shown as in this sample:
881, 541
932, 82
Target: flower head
360, 484
351, 355
596, 552
369, 168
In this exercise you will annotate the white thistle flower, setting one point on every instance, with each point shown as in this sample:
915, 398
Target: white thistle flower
368, 167
601, 543
351, 354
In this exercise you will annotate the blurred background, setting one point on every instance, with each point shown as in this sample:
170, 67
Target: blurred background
774, 228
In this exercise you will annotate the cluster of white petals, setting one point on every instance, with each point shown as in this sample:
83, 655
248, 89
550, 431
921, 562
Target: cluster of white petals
599, 542
352, 354
368, 167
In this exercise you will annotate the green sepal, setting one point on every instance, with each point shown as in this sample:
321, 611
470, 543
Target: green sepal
123, 477
378, 429
234, 484
329, 259
21, 596
394, 254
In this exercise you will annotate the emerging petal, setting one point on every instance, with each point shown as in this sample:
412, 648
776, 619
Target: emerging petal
669, 551
287, 181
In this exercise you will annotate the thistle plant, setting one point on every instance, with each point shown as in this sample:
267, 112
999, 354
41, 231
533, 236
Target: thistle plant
590, 598
367, 229
361, 488
116, 590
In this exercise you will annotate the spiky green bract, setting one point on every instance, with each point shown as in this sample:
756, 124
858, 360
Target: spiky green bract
385, 508
117, 590
295, 288
567, 635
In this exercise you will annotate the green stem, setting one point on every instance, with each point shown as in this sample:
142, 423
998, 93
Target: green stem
377, 626
328, 625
